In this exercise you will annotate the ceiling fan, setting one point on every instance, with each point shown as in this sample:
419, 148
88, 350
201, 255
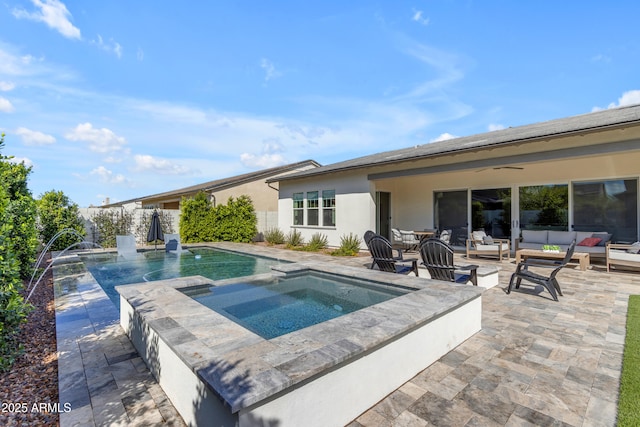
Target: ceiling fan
502, 167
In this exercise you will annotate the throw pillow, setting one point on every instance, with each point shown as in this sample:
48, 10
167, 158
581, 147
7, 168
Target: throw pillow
487, 240
634, 248
604, 236
590, 241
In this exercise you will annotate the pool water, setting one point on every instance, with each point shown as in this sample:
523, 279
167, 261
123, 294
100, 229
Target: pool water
283, 305
110, 270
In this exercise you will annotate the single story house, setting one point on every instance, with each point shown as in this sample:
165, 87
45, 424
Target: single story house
264, 195
578, 173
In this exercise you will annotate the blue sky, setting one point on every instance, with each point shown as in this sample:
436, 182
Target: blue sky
123, 99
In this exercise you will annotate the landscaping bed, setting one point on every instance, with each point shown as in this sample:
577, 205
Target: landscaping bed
29, 391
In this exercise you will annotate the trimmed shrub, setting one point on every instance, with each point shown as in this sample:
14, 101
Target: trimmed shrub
17, 253
196, 219
236, 221
274, 236
349, 245
201, 222
57, 212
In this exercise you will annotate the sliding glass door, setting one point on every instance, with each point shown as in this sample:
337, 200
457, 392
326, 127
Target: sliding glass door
450, 213
610, 206
491, 212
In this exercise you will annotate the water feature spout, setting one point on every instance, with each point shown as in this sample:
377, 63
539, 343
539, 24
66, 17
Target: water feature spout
44, 252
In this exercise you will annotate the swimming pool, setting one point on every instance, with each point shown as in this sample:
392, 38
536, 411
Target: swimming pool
278, 306
110, 270
214, 368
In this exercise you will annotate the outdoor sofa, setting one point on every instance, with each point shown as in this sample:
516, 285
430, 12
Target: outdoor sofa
623, 255
586, 241
481, 244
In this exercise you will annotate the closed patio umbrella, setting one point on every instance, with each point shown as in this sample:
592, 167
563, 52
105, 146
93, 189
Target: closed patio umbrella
155, 230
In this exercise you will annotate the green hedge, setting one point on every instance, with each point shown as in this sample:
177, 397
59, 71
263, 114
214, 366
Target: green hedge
17, 253
201, 222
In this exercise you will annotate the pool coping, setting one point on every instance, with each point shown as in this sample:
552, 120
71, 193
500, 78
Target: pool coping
219, 351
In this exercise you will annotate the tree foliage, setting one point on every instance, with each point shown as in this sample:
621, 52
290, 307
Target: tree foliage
201, 222
57, 212
17, 253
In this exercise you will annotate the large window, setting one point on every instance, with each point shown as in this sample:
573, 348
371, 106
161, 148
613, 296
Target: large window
544, 207
329, 208
312, 208
298, 209
610, 206
306, 211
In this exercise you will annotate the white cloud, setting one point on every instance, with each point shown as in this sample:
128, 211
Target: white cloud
6, 106
100, 140
32, 137
495, 126
162, 166
419, 17
601, 58
108, 176
262, 161
6, 86
140, 54
27, 162
443, 137
269, 70
54, 14
631, 97
270, 156
111, 46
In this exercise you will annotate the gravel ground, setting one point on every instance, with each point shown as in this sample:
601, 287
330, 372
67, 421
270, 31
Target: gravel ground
29, 391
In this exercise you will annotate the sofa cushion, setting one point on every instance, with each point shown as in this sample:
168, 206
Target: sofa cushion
605, 237
581, 235
493, 248
478, 235
487, 240
621, 255
590, 241
561, 237
535, 236
634, 248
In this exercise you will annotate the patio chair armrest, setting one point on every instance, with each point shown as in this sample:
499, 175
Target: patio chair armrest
502, 241
539, 262
470, 267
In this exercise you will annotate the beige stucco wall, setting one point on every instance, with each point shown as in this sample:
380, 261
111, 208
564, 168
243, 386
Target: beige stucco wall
412, 196
264, 198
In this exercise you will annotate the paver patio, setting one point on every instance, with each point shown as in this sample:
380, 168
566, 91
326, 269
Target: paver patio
535, 361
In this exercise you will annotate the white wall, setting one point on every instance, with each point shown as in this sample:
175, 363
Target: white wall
355, 206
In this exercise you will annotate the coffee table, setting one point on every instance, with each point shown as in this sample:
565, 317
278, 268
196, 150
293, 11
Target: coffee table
582, 257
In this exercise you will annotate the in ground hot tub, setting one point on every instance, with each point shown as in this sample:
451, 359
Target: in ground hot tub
216, 368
